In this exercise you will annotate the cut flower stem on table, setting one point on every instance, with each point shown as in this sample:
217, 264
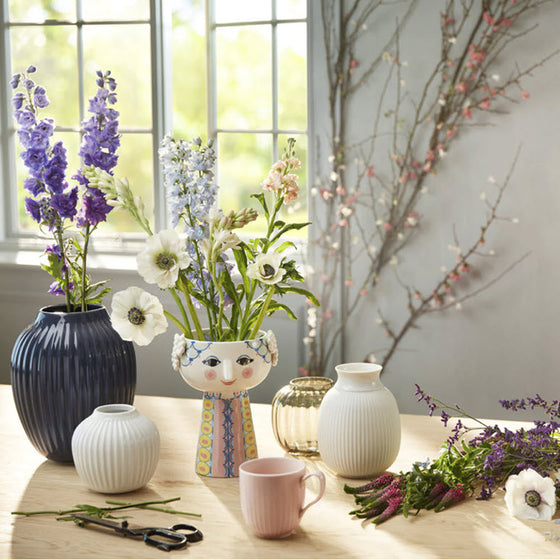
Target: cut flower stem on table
525, 460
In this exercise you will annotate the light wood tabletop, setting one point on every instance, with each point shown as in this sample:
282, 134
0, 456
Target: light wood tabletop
28, 481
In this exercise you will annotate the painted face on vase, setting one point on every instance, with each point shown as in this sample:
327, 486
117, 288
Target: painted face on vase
224, 367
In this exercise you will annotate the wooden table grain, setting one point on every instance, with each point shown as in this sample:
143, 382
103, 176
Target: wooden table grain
30, 482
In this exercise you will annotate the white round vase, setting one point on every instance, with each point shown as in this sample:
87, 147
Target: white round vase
116, 449
359, 429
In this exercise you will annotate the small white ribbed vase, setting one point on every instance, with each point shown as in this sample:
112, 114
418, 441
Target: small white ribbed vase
116, 449
359, 428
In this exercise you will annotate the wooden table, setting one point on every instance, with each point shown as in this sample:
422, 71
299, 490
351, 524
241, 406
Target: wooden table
472, 529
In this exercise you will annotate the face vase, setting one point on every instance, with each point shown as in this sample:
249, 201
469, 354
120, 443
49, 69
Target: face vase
225, 371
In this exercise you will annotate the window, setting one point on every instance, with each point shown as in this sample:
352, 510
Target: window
233, 71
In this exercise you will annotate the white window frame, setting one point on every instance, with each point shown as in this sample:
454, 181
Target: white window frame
12, 240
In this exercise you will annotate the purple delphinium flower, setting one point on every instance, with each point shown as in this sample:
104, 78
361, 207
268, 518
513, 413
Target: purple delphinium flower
65, 204
98, 148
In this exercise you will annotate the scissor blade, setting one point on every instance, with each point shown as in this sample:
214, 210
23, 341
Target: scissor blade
103, 522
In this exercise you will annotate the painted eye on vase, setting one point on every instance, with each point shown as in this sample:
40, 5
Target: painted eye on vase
211, 361
244, 360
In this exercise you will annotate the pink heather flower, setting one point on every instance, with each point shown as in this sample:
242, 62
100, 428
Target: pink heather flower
392, 508
467, 113
387, 226
453, 496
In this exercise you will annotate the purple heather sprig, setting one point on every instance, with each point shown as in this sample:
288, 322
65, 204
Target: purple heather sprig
52, 202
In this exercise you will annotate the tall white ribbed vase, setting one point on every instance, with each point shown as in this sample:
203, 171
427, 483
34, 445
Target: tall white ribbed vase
116, 449
359, 429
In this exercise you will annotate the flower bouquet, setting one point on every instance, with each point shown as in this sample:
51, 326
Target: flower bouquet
235, 282
70, 214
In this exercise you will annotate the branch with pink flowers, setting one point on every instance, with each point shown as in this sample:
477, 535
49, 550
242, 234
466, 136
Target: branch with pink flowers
368, 207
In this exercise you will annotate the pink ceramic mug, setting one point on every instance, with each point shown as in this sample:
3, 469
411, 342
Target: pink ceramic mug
272, 492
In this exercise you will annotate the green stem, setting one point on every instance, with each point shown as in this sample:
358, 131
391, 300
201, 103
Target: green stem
244, 330
156, 508
192, 311
187, 325
262, 313
80, 508
65, 274
84, 266
178, 323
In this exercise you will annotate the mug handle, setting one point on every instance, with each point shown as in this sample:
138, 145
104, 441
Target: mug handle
322, 483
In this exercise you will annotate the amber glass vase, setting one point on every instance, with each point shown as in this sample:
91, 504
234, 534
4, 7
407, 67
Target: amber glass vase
295, 409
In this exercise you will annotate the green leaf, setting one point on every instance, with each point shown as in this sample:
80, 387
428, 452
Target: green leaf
277, 306
262, 200
303, 292
285, 246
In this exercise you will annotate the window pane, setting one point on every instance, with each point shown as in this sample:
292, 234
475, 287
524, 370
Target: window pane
243, 163
242, 10
189, 64
104, 10
129, 65
71, 141
292, 76
291, 9
53, 51
135, 163
38, 11
244, 83
297, 211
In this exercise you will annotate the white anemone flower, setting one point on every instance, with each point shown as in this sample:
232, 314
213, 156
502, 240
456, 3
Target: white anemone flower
530, 495
272, 345
159, 263
137, 315
266, 268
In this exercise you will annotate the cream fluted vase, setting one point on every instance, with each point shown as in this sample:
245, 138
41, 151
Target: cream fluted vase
116, 449
359, 430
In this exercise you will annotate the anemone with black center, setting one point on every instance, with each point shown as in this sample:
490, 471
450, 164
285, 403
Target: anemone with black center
165, 261
135, 316
533, 498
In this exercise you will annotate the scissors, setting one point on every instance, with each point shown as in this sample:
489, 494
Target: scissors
164, 538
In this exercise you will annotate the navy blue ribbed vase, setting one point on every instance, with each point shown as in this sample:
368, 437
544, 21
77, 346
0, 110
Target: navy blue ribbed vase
65, 365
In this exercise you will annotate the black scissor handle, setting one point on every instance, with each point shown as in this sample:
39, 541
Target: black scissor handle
172, 540
193, 535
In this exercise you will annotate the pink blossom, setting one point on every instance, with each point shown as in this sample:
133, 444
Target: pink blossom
324, 278
467, 113
363, 292
525, 94
485, 104
411, 219
326, 194
427, 166
461, 87
343, 222
327, 314
506, 22
465, 267
475, 54
370, 172
454, 276
354, 63
340, 190
488, 18
430, 155
349, 282
303, 371
446, 288
387, 226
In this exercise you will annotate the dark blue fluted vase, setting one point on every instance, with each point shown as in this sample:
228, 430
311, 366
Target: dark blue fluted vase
65, 365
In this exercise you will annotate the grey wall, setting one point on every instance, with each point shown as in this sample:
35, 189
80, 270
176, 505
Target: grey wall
505, 342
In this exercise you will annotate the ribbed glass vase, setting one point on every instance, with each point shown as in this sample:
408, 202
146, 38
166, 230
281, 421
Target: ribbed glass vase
295, 410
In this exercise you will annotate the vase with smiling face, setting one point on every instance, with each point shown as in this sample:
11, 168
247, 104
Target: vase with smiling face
224, 372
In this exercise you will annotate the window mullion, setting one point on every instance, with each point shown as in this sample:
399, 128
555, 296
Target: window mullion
274, 41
